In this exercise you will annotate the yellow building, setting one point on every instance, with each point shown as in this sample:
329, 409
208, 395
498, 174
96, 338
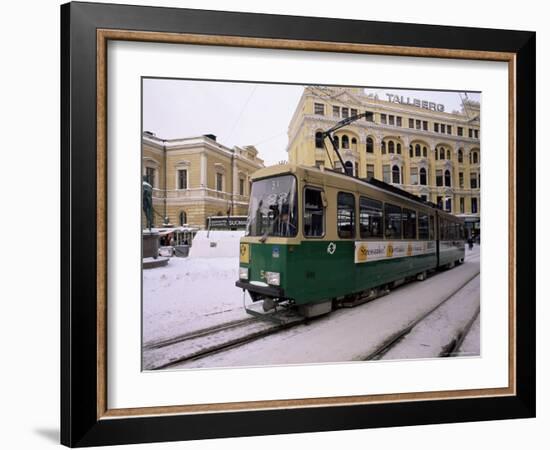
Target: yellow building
197, 177
409, 142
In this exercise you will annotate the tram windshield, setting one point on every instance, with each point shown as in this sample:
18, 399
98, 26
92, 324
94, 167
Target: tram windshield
273, 207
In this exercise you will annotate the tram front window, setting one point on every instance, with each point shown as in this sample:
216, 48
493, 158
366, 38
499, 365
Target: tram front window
273, 207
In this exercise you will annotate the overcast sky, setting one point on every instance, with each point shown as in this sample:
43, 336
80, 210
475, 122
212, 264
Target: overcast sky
241, 113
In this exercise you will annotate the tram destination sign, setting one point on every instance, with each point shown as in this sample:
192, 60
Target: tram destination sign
402, 100
227, 222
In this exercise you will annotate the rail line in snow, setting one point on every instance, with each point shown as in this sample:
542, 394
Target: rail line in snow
395, 338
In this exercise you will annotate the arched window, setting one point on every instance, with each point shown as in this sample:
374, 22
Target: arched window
460, 156
349, 167
345, 141
424, 152
441, 153
354, 143
447, 178
183, 218
318, 140
391, 147
410, 151
395, 175
370, 145
336, 142
398, 148
423, 177
475, 159
449, 155
417, 150
383, 147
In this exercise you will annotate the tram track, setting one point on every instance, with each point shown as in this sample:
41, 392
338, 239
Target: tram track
396, 337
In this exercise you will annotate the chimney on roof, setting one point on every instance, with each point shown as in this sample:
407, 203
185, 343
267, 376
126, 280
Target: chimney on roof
210, 136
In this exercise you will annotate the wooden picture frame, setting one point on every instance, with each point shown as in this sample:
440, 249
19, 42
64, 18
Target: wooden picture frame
85, 416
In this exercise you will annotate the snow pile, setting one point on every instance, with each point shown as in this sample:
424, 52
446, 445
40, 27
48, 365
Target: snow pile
216, 244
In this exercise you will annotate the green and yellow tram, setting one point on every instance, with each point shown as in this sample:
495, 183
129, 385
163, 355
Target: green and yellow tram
318, 238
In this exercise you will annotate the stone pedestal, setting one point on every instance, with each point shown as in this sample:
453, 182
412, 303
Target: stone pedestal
150, 244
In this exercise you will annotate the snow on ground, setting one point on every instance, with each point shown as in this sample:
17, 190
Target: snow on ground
470, 345
429, 337
348, 334
215, 244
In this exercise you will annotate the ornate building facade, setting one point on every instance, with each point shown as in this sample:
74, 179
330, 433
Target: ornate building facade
411, 143
195, 178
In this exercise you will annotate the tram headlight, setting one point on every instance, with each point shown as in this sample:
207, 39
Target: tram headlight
243, 273
273, 278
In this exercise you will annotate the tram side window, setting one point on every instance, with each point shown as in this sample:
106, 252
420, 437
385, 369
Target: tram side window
409, 224
370, 218
432, 228
392, 215
423, 226
314, 221
346, 215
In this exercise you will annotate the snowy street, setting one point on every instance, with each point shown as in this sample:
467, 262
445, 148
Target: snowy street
196, 293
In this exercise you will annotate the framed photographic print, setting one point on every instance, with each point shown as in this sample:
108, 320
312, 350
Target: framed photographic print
277, 224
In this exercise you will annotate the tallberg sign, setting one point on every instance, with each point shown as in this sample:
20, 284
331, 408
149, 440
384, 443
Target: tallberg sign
415, 102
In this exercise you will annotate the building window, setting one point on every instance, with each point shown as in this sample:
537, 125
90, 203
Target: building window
392, 215
448, 204
398, 147
476, 134
442, 128
392, 120
441, 153
473, 180
425, 152
409, 224
354, 143
439, 201
411, 123
345, 113
449, 129
411, 151
436, 127
369, 116
391, 147
460, 156
319, 140
470, 132
182, 218
370, 145
241, 186
383, 118
314, 221
423, 177
447, 178
462, 205
319, 109
461, 179
414, 175
417, 150
353, 112
399, 121
418, 124
439, 177
386, 173
396, 175
150, 175
449, 155
182, 179
475, 159
370, 170
460, 131
345, 141
349, 167
219, 182
474, 205
383, 147
336, 111
345, 216
336, 142
425, 125
370, 218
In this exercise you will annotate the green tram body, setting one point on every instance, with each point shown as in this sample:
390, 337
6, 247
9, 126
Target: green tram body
318, 270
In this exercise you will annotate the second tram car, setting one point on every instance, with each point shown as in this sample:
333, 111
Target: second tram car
318, 238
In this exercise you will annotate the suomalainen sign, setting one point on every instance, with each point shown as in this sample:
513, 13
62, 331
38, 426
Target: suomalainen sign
402, 100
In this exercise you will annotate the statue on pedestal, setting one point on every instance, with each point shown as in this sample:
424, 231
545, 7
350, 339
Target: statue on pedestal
147, 202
